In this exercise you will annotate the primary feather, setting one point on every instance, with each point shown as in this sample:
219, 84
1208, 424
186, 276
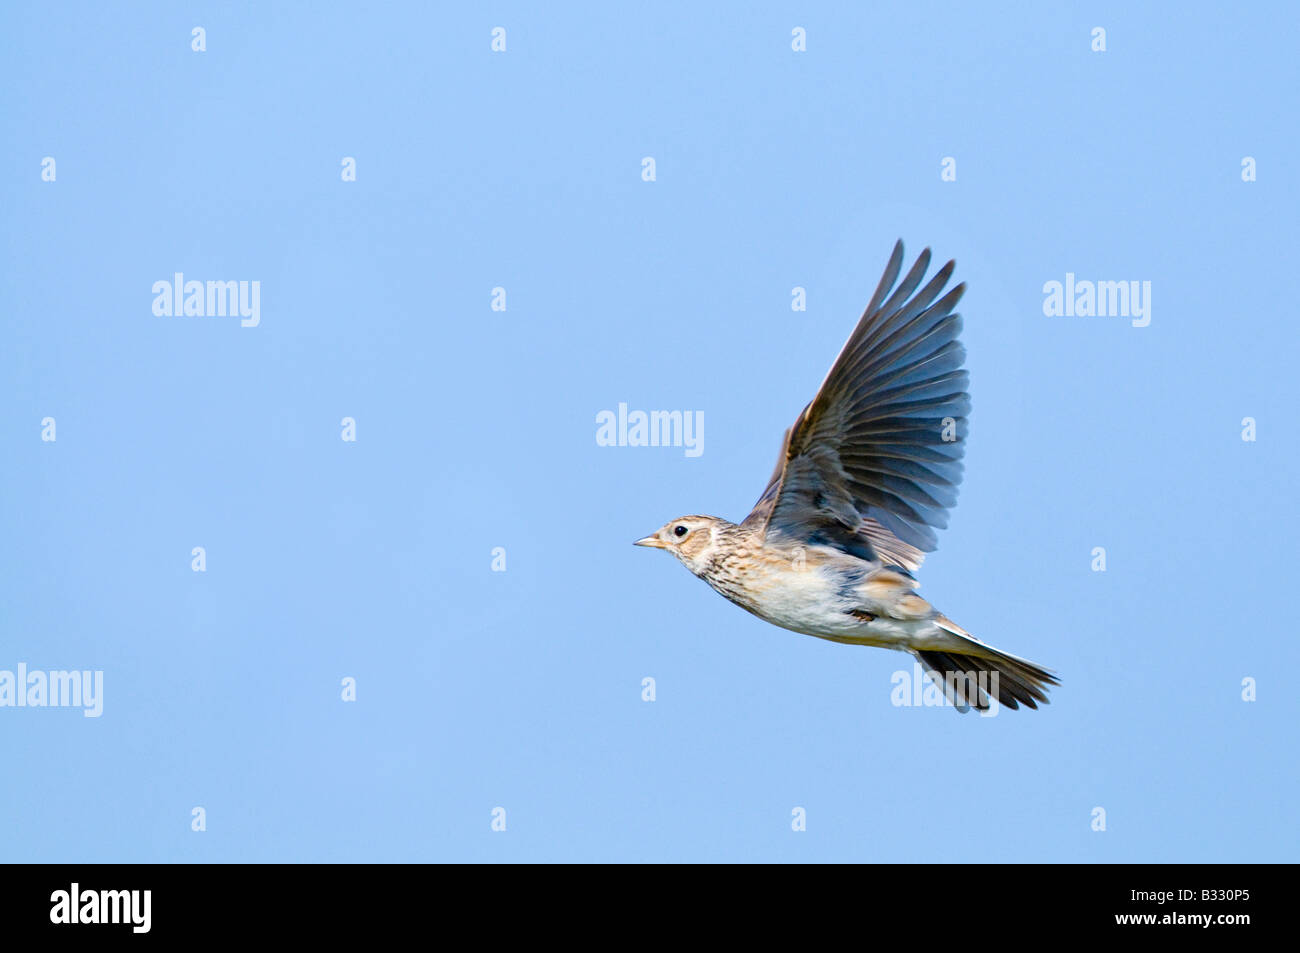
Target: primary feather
872, 464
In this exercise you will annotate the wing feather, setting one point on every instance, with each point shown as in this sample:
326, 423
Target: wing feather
873, 463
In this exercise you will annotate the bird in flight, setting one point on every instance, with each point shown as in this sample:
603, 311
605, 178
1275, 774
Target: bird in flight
864, 477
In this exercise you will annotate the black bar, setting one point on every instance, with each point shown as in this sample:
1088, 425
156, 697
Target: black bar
336, 901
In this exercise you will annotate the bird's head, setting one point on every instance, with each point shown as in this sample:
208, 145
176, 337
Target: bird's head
692, 539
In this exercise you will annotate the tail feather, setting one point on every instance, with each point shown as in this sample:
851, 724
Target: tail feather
1018, 681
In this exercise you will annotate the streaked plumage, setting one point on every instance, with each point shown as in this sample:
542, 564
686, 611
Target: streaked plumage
865, 476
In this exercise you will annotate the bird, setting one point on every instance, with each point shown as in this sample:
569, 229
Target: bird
865, 476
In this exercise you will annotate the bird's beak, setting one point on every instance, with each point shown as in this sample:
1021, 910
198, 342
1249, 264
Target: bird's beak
654, 542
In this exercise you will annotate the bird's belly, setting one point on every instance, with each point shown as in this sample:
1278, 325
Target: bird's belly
827, 603
814, 602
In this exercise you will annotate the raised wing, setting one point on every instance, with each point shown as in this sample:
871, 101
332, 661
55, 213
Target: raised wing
872, 464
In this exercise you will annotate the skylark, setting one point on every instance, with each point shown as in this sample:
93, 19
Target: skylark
865, 475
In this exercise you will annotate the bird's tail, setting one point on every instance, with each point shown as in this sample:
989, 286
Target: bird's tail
970, 671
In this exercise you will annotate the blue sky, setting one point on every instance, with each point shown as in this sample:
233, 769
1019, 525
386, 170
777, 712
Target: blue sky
475, 428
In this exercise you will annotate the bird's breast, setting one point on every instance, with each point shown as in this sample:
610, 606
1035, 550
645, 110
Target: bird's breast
806, 595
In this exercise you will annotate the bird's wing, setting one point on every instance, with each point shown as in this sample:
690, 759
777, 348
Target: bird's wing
873, 463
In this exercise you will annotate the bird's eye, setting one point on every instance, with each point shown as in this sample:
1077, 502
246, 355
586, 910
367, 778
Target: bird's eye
680, 531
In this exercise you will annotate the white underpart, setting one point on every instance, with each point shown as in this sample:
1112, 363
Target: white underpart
816, 601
